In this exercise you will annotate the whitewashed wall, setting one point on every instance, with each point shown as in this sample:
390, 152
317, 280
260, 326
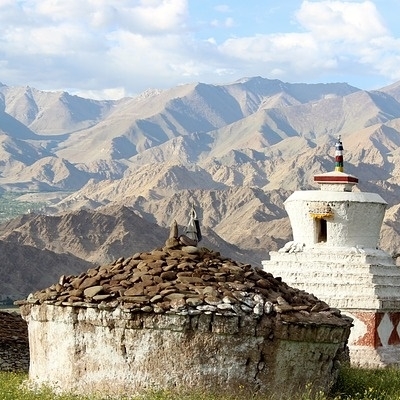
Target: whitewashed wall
87, 350
356, 221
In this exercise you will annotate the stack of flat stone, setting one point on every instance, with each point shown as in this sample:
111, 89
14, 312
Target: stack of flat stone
184, 280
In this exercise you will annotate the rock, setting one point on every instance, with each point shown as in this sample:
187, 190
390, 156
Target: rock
258, 309
187, 241
174, 296
156, 298
76, 282
210, 291
268, 307
171, 243
190, 279
282, 308
177, 303
88, 282
194, 301
281, 301
136, 290
135, 299
76, 292
206, 307
101, 297
214, 301
224, 306
320, 306
173, 233
168, 275
92, 291
191, 249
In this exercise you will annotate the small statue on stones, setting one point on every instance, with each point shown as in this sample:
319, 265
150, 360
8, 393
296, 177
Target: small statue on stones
193, 227
192, 234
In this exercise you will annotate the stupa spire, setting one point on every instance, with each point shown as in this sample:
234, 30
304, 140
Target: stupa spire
337, 180
339, 155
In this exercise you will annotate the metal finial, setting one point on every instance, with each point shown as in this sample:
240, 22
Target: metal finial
193, 227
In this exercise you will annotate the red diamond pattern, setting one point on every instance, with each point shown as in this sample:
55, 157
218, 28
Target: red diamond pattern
382, 329
394, 336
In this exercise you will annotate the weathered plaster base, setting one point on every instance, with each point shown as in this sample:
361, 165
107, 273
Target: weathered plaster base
98, 351
363, 283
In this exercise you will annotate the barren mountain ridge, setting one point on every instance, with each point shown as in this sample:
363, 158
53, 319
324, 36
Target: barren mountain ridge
116, 174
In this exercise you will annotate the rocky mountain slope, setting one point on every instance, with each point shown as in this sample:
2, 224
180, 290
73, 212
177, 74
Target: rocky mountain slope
36, 249
24, 268
122, 171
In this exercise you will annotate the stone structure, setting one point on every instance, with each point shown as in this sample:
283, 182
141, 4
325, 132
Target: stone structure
335, 256
14, 346
181, 318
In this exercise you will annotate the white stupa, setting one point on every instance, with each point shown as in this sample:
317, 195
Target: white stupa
335, 255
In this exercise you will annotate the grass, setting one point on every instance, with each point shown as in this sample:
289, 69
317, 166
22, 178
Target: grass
353, 384
368, 384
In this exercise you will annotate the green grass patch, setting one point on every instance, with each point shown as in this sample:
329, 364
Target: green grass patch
12, 387
353, 384
368, 384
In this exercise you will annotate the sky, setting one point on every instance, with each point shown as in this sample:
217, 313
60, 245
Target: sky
108, 49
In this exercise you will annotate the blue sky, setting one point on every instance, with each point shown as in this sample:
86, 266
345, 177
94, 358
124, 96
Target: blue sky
116, 48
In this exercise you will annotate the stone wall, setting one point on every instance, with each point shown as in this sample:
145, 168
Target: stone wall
14, 356
89, 350
14, 346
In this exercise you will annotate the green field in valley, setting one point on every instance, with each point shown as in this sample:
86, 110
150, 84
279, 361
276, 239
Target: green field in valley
11, 207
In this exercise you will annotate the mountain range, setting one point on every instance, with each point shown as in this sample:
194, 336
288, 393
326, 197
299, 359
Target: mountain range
116, 174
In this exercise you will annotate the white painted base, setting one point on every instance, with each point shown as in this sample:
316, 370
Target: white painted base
346, 278
363, 283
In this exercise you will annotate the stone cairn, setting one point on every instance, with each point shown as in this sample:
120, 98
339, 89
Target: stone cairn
184, 279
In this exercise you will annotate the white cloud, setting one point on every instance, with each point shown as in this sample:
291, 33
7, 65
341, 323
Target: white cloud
58, 10
343, 21
226, 23
121, 47
63, 40
104, 94
146, 60
161, 17
85, 39
229, 22
337, 35
383, 56
140, 16
295, 54
223, 8
352, 31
